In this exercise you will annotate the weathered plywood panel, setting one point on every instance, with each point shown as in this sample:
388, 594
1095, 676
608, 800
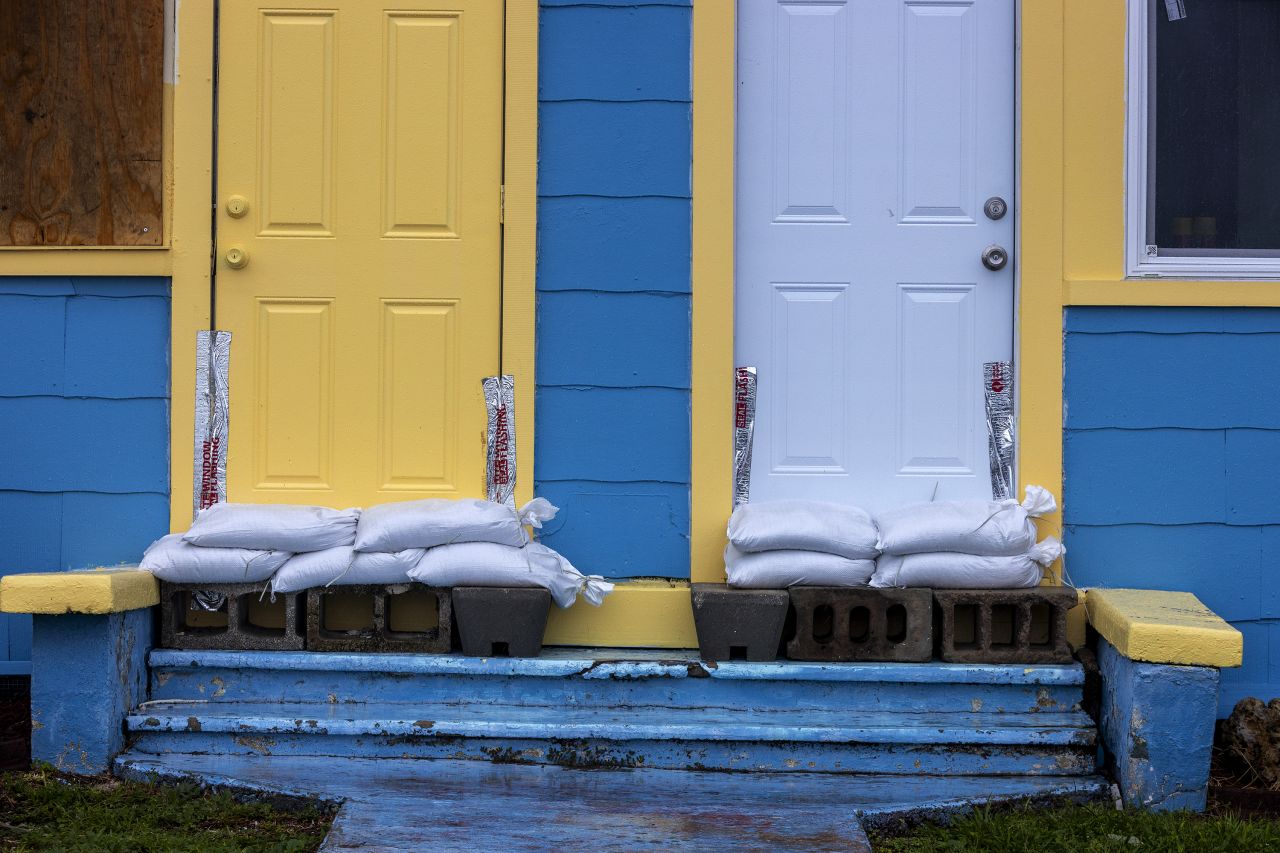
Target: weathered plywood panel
80, 126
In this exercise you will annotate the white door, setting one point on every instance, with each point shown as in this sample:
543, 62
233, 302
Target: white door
870, 135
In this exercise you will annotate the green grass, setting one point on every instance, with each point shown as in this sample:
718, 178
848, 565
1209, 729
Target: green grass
45, 810
1087, 829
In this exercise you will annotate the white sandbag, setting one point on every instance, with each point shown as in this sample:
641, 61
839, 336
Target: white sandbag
804, 525
273, 527
343, 566
983, 528
437, 521
174, 560
488, 564
781, 569
967, 571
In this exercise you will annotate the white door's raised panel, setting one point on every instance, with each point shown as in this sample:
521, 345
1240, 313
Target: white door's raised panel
938, 111
937, 379
807, 397
810, 116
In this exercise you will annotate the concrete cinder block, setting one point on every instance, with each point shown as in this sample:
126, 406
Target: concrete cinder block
738, 622
247, 620
1157, 725
501, 621
858, 623
371, 620
1003, 625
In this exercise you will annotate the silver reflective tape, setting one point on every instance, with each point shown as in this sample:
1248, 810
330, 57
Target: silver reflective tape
997, 383
213, 357
744, 425
207, 599
500, 452
1176, 10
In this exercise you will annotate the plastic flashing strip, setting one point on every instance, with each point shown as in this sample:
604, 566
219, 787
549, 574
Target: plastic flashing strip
997, 383
744, 424
213, 357
500, 452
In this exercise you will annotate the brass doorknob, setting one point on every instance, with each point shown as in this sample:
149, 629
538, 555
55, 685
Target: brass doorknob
237, 258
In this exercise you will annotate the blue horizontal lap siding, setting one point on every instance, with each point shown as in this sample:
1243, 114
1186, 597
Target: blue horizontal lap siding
84, 428
612, 440
1172, 456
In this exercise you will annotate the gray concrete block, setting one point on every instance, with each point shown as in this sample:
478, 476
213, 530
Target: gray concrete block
247, 618
1003, 625
738, 623
501, 621
371, 618
861, 624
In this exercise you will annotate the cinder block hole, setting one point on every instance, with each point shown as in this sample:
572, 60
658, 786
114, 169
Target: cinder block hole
788, 631
500, 650
195, 619
859, 624
824, 623
262, 617
964, 626
346, 612
737, 653
1004, 624
1041, 632
895, 623
415, 611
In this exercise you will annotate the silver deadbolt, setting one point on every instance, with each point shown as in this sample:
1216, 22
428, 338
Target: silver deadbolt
994, 258
995, 208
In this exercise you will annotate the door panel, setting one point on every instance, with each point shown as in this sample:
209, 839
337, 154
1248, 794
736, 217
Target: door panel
869, 136
366, 139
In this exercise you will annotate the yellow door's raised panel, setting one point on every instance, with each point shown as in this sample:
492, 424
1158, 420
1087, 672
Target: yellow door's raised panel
418, 395
296, 101
421, 131
293, 430
356, 359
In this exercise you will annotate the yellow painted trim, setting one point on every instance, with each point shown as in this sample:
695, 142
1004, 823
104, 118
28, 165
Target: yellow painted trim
1228, 294
1163, 627
1039, 344
150, 261
640, 614
519, 230
189, 235
711, 407
87, 591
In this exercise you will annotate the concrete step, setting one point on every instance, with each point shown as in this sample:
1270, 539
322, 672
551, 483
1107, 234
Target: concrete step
445, 806
606, 678
806, 740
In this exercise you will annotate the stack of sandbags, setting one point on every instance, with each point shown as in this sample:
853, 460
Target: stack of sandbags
248, 543
777, 544
966, 544
475, 543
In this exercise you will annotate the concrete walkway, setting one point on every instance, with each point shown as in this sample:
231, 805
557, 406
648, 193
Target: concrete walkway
413, 805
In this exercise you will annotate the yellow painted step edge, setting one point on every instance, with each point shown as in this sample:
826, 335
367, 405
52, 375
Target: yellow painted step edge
644, 614
1159, 626
88, 591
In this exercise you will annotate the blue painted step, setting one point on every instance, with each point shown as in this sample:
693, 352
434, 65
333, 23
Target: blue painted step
610, 678
595, 708
446, 806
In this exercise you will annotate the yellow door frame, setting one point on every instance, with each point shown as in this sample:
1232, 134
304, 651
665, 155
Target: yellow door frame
191, 247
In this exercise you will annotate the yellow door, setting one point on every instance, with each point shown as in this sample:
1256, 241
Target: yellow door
359, 245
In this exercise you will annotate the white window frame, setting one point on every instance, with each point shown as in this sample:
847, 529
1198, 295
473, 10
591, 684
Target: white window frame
1141, 261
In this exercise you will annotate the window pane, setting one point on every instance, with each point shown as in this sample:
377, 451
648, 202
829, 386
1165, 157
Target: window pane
1216, 141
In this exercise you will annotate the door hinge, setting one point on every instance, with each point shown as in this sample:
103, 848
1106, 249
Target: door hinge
502, 204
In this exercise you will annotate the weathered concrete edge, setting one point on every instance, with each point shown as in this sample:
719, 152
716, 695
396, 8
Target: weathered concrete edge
1161, 626
92, 591
1080, 790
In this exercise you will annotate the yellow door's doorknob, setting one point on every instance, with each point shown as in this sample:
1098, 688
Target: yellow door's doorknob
237, 257
237, 206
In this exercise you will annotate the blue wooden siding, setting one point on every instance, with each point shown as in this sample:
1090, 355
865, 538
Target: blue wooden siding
1172, 463
612, 444
84, 428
